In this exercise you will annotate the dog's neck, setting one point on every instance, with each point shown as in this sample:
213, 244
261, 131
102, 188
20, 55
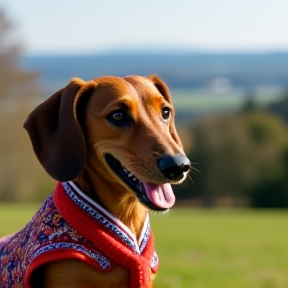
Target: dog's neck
115, 198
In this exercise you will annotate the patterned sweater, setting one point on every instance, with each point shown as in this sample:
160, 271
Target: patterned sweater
71, 225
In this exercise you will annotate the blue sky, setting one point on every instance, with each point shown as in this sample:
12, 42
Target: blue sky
89, 26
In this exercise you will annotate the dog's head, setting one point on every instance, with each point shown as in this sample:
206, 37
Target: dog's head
122, 126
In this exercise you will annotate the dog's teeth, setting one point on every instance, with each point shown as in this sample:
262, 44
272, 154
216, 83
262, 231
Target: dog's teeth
129, 174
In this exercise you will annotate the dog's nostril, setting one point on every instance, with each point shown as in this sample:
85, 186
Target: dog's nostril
174, 166
186, 167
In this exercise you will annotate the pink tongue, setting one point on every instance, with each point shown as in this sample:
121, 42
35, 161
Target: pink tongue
161, 195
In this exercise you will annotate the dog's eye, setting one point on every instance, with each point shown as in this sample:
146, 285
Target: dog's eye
166, 112
119, 118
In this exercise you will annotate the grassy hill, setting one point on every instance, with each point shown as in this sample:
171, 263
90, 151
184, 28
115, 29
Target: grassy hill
205, 248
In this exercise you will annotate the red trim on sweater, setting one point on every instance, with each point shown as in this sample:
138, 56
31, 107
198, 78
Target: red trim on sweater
103, 239
60, 254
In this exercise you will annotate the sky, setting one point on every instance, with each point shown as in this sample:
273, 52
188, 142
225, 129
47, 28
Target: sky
92, 26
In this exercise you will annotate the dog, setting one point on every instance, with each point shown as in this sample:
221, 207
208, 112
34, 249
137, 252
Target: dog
112, 144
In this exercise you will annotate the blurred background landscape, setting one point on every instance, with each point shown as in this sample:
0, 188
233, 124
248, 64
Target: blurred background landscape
231, 113
226, 64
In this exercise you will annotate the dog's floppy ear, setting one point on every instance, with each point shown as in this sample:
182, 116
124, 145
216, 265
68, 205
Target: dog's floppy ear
161, 86
55, 133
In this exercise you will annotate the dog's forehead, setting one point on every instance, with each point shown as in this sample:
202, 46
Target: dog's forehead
129, 85
145, 89
141, 84
109, 89
130, 91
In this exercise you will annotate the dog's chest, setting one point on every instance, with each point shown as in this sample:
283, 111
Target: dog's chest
97, 241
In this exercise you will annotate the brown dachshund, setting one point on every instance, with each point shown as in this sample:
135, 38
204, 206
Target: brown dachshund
114, 140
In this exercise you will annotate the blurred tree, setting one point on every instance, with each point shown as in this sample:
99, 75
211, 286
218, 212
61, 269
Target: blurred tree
14, 80
280, 107
18, 88
273, 192
239, 154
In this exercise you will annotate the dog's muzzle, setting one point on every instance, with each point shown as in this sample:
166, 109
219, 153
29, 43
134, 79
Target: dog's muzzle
156, 196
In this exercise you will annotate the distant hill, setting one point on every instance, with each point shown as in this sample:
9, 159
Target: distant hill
179, 70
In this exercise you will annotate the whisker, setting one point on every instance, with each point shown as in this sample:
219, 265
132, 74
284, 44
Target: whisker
187, 183
194, 169
182, 184
190, 180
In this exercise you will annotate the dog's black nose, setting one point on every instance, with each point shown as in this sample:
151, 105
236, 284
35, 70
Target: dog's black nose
173, 166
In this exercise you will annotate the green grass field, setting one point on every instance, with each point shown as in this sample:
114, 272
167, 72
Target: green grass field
204, 101
206, 248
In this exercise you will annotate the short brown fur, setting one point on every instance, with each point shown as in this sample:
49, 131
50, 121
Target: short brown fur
83, 107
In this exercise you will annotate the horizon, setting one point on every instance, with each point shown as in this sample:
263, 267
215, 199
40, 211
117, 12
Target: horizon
151, 51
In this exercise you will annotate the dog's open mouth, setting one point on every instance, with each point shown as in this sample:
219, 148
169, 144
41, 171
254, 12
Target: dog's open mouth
158, 197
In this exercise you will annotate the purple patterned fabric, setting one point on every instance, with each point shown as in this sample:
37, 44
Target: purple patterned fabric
47, 231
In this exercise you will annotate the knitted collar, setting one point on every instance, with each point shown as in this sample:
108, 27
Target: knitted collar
108, 220
108, 234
